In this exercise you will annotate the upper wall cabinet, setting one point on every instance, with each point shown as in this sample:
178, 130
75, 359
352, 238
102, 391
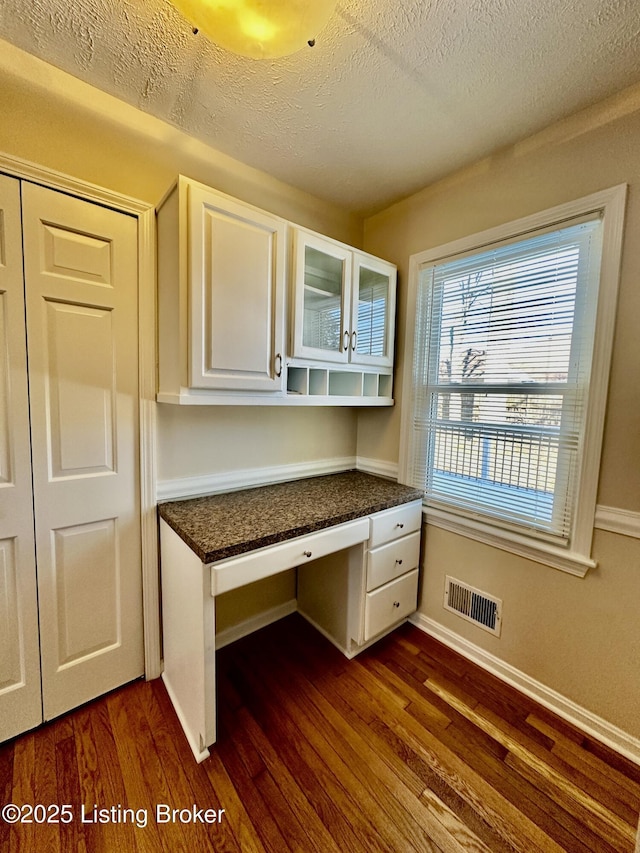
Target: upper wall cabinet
223, 271
343, 303
221, 297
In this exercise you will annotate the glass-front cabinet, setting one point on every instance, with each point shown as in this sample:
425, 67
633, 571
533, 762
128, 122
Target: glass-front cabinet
344, 303
373, 310
322, 291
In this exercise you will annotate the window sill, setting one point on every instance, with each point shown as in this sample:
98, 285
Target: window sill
540, 552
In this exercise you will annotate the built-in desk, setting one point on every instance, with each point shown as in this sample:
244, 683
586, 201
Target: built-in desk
354, 539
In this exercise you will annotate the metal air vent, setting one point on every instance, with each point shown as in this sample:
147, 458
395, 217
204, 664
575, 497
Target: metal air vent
473, 605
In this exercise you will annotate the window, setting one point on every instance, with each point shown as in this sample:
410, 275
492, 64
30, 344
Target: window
503, 424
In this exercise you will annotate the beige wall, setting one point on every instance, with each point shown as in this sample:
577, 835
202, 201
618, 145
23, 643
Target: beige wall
61, 123
581, 637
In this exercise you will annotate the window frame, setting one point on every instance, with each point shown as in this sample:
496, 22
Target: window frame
576, 557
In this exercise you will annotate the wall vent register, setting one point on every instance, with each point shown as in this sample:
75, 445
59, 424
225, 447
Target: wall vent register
473, 605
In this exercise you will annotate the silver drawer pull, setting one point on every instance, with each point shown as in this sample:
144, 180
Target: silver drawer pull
307, 553
396, 604
400, 525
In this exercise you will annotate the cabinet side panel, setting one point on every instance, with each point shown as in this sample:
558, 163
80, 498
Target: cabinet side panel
171, 313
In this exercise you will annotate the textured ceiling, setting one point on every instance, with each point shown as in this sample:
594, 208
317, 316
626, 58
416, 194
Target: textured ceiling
395, 94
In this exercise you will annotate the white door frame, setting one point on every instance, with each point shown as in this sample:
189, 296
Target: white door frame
145, 214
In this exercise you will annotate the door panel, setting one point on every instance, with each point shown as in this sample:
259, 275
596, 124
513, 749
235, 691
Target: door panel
68, 254
85, 629
81, 272
80, 390
20, 698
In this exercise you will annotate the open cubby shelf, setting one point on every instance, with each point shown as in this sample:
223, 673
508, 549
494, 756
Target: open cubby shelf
332, 382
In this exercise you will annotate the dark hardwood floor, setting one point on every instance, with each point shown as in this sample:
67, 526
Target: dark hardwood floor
406, 748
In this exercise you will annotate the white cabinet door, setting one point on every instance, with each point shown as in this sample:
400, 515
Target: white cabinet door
322, 295
236, 273
373, 311
81, 275
20, 697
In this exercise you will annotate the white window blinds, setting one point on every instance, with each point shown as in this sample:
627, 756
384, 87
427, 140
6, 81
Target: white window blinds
502, 359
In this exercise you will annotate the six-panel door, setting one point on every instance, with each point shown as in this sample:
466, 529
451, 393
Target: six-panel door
81, 285
20, 697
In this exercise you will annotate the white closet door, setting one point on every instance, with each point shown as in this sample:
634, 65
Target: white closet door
81, 285
20, 699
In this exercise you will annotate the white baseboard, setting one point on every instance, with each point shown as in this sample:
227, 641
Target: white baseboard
230, 481
580, 717
266, 617
209, 484
621, 521
378, 466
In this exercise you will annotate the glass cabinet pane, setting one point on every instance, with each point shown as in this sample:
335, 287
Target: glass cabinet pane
323, 300
372, 324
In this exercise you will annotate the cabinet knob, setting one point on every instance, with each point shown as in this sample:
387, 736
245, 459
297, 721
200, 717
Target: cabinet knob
307, 553
399, 562
396, 604
400, 525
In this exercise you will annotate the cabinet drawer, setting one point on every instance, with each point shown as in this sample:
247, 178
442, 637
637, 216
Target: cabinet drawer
393, 523
390, 604
392, 560
264, 562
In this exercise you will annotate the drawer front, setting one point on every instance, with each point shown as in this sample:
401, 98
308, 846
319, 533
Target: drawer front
255, 565
394, 523
392, 560
390, 604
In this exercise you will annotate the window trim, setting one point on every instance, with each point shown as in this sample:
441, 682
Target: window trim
576, 559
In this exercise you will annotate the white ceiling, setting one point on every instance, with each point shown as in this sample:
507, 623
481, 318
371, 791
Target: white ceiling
395, 94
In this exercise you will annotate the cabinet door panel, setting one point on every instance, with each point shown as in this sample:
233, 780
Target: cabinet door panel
236, 291
373, 310
20, 696
322, 288
81, 273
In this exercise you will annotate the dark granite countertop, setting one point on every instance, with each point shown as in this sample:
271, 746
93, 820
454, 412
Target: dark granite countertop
219, 526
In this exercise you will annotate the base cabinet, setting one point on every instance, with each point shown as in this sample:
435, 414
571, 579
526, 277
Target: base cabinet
332, 593
361, 594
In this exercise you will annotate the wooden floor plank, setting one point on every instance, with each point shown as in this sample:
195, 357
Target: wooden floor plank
339, 812
572, 766
513, 826
144, 785
449, 834
69, 791
594, 814
408, 748
602, 772
101, 786
362, 808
